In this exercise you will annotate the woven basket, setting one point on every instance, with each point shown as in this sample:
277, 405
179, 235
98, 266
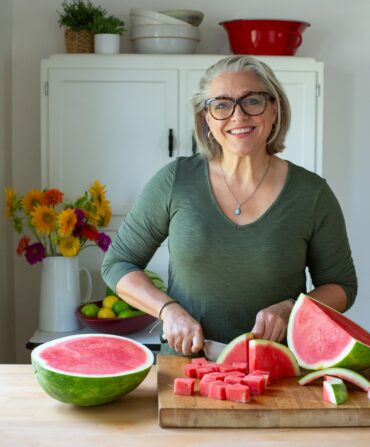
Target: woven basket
79, 41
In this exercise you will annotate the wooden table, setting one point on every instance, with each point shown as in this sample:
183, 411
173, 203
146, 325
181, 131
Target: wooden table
29, 417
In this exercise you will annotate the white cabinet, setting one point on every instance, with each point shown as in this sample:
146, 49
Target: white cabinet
110, 118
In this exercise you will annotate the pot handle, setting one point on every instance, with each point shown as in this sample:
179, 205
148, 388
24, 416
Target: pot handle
88, 294
298, 39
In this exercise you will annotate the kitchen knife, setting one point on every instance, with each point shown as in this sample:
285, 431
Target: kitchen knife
212, 349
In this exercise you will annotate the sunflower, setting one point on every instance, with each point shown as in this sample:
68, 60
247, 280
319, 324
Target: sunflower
53, 197
32, 199
43, 219
67, 221
10, 197
104, 214
97, 191
69, 246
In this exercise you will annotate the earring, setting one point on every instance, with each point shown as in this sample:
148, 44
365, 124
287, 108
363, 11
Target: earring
209, 135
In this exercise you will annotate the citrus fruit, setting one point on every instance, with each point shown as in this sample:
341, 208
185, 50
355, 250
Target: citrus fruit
106, 313
90, 310
128, 313
109, 300
119, 306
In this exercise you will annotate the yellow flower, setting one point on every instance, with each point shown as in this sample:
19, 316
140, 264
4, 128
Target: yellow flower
10, 197
69, 246
43, 219
67, 220
105, 214
97, 191
91, 218
32, 199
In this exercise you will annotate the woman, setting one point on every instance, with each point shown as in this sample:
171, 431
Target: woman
242, 223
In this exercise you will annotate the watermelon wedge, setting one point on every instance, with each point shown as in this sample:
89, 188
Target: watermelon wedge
320, 337
237, 350
343, 373
90, 369
334, 390
273, 357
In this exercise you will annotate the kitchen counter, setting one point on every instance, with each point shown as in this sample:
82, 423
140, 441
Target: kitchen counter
28, 416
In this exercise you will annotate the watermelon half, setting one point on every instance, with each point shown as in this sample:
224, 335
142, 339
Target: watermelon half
237, 350
90, 369
320, 337
271, 356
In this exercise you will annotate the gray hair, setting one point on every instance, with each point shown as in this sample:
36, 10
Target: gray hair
208, 147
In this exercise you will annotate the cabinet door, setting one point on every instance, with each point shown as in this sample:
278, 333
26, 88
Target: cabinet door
112, 125
300, 87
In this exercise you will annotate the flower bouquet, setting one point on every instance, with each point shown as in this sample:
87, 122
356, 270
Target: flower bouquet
60, 229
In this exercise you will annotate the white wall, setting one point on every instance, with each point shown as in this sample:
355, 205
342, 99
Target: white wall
339, 36
7, 352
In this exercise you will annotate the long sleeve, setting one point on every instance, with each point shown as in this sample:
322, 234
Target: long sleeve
329, 253
143, 229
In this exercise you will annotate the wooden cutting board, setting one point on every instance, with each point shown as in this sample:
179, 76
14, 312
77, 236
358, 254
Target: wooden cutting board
285, 404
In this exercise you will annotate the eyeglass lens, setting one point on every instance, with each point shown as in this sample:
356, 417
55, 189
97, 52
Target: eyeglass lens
251, 104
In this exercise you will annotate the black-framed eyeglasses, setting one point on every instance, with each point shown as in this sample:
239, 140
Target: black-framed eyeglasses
253, 103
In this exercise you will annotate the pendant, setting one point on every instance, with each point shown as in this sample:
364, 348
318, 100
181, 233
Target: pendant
237, 211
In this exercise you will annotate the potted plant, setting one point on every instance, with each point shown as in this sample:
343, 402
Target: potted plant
77, 17
107, 30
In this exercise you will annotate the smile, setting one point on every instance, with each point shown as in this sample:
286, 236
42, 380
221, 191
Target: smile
241, 130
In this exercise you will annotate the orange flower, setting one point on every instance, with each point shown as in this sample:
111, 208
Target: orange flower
22, 244
53, 197
32, 199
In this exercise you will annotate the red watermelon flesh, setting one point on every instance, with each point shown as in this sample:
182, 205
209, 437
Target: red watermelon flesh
184, 386
320, 337
237, 350
273, 357
237, 393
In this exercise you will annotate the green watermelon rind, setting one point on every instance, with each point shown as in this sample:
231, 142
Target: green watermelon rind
229, 347
289, 355
337, 390
343, 373
83, 389
356, 355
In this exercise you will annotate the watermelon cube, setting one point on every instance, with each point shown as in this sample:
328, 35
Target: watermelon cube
265, 374
216, 390
211, 377
232, 379
190, 370
204, 388
199, 360
184, 386
202, 370
226, 368
256, 383
237, 393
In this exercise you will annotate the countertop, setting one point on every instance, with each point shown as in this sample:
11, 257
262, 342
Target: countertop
29, 417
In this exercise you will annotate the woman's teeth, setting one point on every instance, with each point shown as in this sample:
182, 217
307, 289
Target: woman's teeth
241, 130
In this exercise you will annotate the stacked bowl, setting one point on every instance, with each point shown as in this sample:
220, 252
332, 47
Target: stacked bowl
171, 31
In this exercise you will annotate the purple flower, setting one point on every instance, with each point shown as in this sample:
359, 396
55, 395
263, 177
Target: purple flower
35, 253
103, 241
80, 217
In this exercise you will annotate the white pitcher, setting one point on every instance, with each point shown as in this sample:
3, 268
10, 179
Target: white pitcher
60, 293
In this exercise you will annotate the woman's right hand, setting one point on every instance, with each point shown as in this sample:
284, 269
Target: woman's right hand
182, 332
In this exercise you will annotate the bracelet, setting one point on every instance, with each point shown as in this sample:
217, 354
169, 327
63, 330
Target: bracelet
167, 303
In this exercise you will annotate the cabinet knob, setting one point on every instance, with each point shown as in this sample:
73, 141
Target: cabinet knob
170, 143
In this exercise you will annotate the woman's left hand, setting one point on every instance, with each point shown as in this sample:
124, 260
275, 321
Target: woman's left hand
272, 322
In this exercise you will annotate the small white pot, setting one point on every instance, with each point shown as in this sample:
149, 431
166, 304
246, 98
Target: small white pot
107, 43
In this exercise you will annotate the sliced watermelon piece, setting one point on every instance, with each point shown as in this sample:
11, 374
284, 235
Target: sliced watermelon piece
216, 390
90, 369
237, 393
273, 357
256, 384
320, 337
334, 390
190, 370
184, 386
237, 350
343, 373
232, 379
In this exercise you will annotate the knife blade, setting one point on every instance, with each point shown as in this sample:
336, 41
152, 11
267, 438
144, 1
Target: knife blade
212, 349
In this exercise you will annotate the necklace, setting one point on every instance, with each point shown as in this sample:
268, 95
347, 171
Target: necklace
238, 210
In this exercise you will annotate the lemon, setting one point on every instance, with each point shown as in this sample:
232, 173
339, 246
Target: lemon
106, 313
120, 306
128, 313
90, 310
109, 300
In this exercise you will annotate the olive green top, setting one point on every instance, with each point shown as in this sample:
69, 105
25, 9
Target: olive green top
223, 273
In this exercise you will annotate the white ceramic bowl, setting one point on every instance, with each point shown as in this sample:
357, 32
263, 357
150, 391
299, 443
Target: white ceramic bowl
145, 16
164, 45
157, 30
187, 15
